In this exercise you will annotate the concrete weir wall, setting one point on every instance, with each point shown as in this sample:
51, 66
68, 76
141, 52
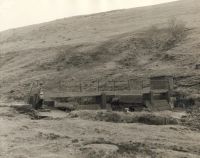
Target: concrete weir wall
159, 92
161, 88
161, 83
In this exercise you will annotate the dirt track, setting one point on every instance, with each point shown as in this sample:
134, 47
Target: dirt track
60, 136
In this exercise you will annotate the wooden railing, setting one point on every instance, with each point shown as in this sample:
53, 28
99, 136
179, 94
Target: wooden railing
100, 86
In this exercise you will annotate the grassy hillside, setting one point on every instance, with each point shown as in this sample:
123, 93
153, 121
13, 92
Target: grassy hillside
101, 46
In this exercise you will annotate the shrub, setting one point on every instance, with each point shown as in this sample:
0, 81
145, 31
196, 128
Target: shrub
61, 57
176, 29
108, 117
176, 33
164, 38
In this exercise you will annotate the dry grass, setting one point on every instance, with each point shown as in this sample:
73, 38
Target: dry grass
115, 45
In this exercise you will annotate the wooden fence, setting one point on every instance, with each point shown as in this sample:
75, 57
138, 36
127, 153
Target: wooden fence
101, 86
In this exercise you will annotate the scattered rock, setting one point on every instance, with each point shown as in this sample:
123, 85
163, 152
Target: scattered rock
50, 136
75, 141
99, 151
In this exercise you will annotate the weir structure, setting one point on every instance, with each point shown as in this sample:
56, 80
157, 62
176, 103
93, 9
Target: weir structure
154, 93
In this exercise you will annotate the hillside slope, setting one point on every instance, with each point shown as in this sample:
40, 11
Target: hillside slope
100, 46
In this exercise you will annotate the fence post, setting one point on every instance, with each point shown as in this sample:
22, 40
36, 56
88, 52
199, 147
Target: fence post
80, 87
98, 85
129, 86
30, 92
37, 83
66, 86
142, 86
114, 85
103, 100
60, 84
151, 97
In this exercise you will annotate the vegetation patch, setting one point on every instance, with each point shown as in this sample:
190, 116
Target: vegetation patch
116, 150
121, 117
193, 118
164, 39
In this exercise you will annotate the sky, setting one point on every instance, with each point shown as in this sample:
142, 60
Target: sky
17, 13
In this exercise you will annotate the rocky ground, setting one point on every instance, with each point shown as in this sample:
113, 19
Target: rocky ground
56, 134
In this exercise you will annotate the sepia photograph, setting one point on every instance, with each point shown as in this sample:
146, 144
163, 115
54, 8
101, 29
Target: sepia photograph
99, 78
